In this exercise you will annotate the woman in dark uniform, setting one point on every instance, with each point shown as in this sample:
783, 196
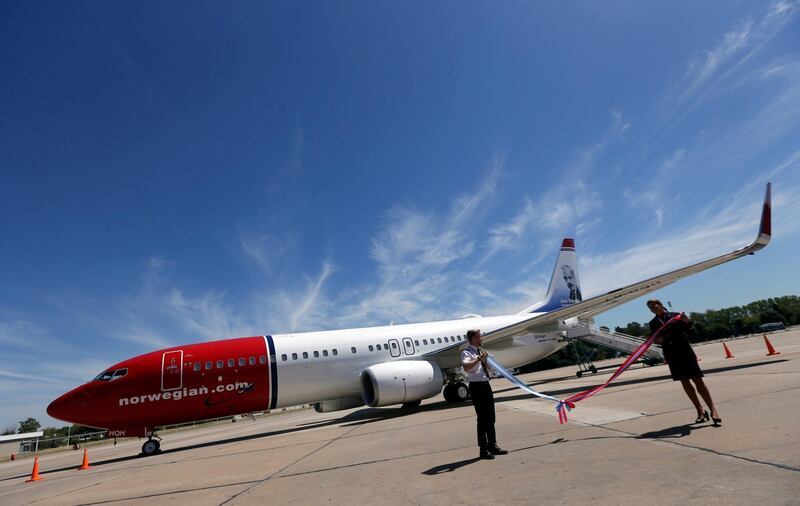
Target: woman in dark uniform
680, 357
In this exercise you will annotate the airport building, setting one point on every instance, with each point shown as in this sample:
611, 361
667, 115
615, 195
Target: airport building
18, 443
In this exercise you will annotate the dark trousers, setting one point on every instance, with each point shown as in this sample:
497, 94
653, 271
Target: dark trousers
483, 400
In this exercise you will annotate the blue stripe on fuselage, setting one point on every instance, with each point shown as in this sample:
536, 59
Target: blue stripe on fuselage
273, 368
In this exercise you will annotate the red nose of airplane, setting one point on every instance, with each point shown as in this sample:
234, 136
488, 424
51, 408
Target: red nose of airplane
70, 407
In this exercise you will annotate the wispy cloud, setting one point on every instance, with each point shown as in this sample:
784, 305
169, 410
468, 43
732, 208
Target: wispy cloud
22, 334
714, 67
265, 249
650, 196
724, 224
570, 204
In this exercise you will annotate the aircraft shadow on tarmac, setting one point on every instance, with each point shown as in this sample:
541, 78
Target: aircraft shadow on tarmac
370, 415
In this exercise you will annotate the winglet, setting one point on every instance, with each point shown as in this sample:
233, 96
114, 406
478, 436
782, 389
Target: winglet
766, 213
765, 230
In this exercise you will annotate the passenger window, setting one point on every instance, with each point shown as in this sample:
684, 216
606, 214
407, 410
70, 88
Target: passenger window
353, 349
253, 359
305, 354
324, 353
231, 362
262, 359
335, 352
371, 348
220, 364
294, 356
241, 362
416, 342
394, 345
316, 354
196, 366
439, 339
425, 342
283, 357
209, 365
446, 340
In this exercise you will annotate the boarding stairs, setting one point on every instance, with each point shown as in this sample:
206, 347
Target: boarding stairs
610, 339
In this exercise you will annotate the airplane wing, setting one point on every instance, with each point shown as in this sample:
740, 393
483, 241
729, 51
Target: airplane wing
606, 301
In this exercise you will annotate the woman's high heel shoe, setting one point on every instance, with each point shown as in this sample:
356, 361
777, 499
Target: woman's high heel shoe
704, 418
717, 421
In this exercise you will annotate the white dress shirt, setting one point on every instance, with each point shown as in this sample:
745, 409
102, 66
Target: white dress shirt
478, 373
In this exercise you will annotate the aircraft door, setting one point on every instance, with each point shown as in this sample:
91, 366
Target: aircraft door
172, 370
408, 346
394, 348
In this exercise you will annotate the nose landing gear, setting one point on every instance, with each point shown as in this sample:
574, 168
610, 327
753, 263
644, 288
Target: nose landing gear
151, 446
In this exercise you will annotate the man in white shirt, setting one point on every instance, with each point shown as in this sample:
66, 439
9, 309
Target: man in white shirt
474, 361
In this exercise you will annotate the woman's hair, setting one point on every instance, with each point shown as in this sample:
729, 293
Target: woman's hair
653, 302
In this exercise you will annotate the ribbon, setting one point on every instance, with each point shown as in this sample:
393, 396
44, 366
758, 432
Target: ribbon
564, 406
513, 379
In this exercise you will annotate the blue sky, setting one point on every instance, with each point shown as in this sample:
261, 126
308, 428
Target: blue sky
179, 172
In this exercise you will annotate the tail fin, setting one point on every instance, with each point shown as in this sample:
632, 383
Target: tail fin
565, 286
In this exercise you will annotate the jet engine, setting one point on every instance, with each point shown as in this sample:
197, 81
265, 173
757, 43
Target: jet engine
399, 382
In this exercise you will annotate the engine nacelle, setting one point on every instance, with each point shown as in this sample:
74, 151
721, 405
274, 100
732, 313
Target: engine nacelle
337, 404
402, 381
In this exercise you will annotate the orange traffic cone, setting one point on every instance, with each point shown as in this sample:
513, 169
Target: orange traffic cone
35, 473
728, 353
770, 349
85, 464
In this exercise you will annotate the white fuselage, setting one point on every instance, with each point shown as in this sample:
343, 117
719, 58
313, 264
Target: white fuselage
317, 366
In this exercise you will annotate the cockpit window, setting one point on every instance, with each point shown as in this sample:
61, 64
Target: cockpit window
119, 373
111, 375
104, 376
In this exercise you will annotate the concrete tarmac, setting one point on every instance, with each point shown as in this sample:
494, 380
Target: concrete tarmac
632, 443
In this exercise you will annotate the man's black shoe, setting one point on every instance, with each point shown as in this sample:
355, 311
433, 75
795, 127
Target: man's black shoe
496, 450
486, 455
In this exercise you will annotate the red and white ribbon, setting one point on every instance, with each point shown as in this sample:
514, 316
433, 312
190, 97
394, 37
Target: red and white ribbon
566, 405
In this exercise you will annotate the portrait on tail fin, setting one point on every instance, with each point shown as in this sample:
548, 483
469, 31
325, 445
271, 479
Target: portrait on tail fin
572, 283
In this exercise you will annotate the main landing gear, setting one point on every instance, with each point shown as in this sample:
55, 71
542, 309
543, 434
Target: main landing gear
456, 392
151, 446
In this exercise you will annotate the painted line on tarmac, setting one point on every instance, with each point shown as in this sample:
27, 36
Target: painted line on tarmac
585, 414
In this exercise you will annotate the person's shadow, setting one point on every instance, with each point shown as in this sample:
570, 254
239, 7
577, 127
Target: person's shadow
677, 431
450, 467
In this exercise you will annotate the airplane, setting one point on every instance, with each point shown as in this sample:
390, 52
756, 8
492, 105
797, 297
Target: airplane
343, 369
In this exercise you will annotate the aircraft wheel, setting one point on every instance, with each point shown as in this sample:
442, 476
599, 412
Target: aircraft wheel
593, 369
151, 447
412, 404
461, 392
448, 393
579, 374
